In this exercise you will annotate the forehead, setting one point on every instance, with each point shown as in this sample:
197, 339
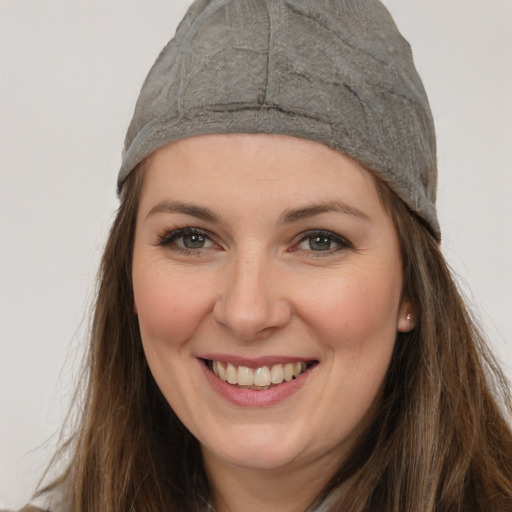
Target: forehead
277, 168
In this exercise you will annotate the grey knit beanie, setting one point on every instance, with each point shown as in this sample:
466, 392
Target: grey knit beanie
336, 72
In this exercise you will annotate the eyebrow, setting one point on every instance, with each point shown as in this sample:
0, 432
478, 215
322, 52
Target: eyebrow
303, 212
288, 217
199, 212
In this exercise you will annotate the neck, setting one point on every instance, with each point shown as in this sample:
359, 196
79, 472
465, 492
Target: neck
285, 489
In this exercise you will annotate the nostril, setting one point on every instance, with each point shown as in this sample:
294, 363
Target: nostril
251, 319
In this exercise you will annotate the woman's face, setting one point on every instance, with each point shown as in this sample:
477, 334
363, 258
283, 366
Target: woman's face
268, 261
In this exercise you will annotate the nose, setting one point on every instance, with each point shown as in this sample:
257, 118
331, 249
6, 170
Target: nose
251, 303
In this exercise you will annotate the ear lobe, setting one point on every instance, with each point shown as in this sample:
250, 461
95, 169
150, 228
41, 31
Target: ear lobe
406, 316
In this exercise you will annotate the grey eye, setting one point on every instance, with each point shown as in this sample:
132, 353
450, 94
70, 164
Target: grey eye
323, 241
194, 241
187, 239
320, 243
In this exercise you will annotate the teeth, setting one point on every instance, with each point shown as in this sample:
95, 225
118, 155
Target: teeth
258, 378
222, 371
288, 371
245, 376
277, 374
262, 376
231, 374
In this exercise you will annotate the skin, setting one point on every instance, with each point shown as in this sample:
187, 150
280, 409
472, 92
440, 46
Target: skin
257, 287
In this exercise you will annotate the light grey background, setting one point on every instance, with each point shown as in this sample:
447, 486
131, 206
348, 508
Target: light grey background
70, 72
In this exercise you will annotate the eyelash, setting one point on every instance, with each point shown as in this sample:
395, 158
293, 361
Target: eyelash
168, 239
341, 242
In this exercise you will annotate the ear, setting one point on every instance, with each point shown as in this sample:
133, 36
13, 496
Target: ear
135, 306
406, 316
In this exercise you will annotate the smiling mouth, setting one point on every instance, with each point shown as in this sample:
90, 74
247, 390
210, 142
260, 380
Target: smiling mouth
258, 379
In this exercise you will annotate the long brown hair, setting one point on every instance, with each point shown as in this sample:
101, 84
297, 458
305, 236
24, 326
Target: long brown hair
440, 441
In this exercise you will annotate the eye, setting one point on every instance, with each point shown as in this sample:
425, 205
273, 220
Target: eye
322, 241
318, 243
193, 241
187, 239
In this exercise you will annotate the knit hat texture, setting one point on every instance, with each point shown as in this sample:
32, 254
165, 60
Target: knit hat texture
337, 72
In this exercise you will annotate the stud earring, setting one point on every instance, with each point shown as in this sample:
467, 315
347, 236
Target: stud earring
408, 317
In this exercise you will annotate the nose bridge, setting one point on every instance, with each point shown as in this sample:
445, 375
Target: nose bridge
251, 301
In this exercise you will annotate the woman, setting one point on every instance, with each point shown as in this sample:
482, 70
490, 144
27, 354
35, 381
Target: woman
275, 326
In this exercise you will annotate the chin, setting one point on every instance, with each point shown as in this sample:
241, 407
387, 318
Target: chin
257, 460
262, 451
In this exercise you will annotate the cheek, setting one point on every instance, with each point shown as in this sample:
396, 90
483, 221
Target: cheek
354, 307
170, 305
356, 323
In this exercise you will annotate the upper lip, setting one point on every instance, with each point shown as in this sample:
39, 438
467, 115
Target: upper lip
255, 362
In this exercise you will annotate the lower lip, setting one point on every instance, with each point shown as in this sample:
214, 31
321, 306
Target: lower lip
254, 398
